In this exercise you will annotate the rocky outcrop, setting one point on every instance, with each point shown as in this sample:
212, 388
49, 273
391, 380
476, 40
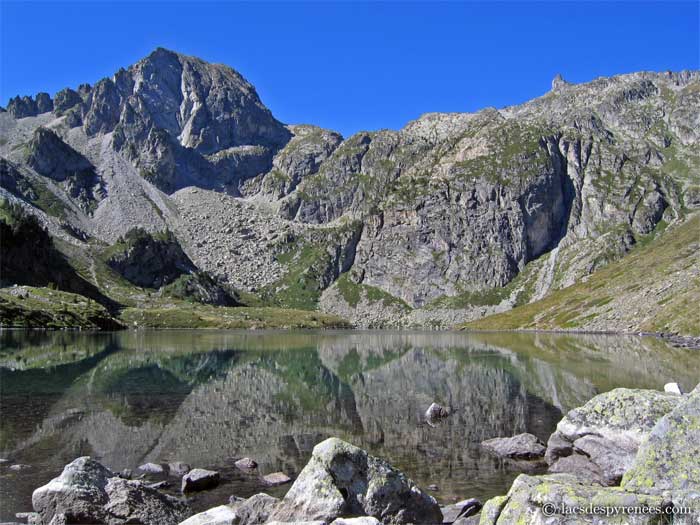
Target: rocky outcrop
342, 480
87, 492
600, 440
51, 157
150, 261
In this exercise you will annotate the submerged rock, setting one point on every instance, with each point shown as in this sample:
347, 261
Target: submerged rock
177, 468
605, 433
341, 479
522, 446
276, 478
200, 479
87, 492
435, 413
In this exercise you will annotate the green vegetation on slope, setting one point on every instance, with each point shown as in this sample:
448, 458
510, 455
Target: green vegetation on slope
655, 288
353, 293
30, 307
186, 315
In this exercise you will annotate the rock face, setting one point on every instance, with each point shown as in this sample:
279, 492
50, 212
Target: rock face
599, 440
87, 492
150, 261
522, 446
341, 479
453, 217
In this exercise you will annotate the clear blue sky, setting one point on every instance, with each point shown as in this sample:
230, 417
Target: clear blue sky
351, 67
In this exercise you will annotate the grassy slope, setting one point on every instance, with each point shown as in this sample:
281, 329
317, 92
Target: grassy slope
189, 315
32, 307
655, 288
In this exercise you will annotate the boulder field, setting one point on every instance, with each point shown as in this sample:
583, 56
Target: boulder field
626, 456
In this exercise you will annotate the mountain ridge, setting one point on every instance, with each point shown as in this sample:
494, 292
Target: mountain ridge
450, 218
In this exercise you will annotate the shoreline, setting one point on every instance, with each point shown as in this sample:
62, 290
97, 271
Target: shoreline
679, 341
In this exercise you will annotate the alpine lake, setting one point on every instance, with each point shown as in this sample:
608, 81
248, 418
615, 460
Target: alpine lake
208, 398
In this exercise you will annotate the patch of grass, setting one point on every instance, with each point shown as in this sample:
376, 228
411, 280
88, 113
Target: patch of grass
353, 293
33, 307
186, 315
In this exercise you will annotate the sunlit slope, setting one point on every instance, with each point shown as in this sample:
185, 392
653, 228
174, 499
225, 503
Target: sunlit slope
654, 288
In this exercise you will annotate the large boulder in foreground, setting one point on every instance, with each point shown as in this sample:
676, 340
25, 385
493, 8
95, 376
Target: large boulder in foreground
343, 480
534, 500
87, 492
599, 440
669, 460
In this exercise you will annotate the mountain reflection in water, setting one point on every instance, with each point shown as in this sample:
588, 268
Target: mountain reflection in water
208, 398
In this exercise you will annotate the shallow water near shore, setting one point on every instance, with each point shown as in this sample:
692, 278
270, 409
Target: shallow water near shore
207, 398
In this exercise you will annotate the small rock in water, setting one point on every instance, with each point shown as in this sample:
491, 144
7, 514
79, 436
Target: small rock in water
522, 446
152, 468
246, 464
433, 486
673, 388
435, 412
276, 478
178, 468
20, 466
200, 479
126, 473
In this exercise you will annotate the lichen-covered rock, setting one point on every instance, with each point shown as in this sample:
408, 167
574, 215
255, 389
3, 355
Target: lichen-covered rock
87, 492
133, 502
522, 446
669, 459
606, 432
256, 510
78, 492
534, 500
343, 480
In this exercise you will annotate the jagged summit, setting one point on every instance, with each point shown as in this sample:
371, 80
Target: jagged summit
558, 82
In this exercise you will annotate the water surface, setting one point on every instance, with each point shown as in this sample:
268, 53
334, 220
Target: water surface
208, 398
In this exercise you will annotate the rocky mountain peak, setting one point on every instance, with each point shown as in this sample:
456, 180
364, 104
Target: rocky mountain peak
558, 82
